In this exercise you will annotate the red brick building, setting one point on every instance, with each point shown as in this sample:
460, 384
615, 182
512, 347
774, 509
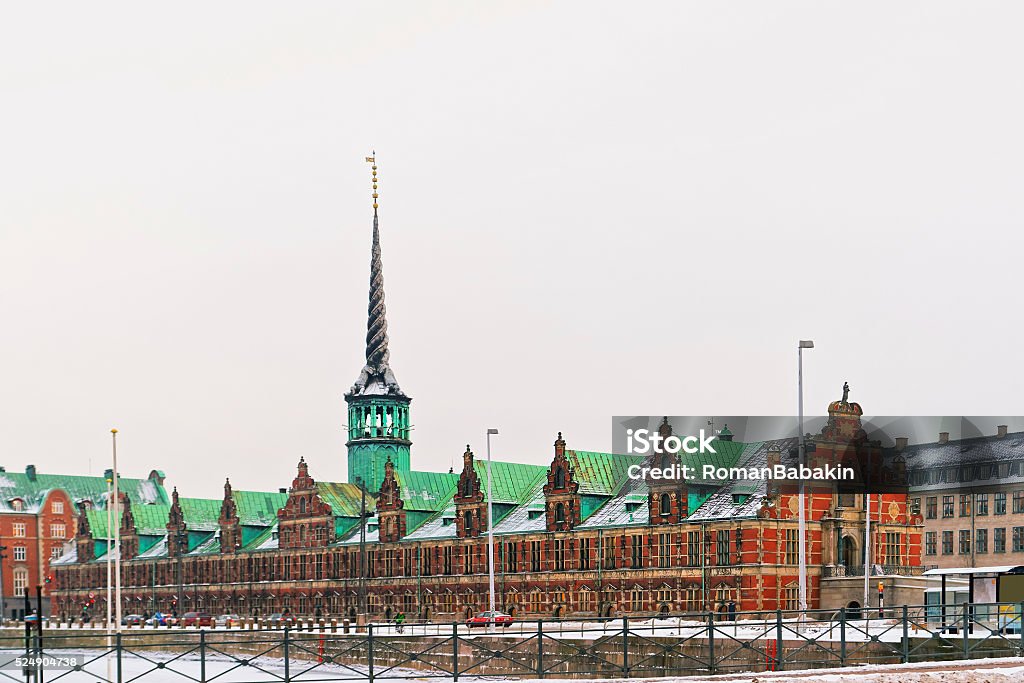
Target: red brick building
37, 520
578, 537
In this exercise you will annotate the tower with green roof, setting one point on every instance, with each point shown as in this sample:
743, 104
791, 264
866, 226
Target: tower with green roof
378, 410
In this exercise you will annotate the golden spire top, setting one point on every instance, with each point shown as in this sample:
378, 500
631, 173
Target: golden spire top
373, 160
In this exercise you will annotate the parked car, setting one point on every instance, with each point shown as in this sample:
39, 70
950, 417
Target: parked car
223, 620
279, 618
132, 620
488, 618
193, 619
161, 619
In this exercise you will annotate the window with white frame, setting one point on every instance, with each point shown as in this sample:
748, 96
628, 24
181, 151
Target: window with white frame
18, 529
55, 552
20, 581
57, 507
57, 530
20, 554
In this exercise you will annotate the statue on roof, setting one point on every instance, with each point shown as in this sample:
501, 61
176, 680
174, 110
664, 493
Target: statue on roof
846, 391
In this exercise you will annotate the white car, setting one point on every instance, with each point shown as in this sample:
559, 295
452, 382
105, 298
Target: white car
222, 620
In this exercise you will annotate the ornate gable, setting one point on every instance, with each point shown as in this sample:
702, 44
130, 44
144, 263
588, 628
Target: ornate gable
390, 515
561, 492
471, 511
667, 498
177, 533
84, 546
230, 527
306, 520
129, 535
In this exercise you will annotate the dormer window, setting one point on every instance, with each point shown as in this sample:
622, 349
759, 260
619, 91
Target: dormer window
467, 488
534, 514
17, 504
632, 507
666, 505
447, 521
467, 520
559, 478
559, 512
302, 505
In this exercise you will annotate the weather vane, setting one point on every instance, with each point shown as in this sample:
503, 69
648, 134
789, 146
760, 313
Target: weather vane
373, 160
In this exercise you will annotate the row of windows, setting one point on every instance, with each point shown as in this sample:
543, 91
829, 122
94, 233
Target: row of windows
981, 541
967, 473
977, 503
57, 530
57, 506
721, 548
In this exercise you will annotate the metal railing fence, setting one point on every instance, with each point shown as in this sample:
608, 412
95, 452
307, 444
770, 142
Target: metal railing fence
704, 643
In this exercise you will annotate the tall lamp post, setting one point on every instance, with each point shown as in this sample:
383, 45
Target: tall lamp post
3, 556
802, 456
490, 523
117, 536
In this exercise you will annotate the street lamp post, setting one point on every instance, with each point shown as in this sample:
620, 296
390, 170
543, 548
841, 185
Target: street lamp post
490, 523
117, 536
3, 556
802, 456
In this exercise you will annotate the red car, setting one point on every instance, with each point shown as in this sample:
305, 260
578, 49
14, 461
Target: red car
196, 619
488, 618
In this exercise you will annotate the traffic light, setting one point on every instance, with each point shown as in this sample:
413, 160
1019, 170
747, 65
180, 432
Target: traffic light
49, 578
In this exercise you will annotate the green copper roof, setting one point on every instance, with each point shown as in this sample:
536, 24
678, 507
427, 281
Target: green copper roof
601, 474
727, 455
344, 499
32, 490
150, 520
513, 482
201, 514
426, 491
258, 508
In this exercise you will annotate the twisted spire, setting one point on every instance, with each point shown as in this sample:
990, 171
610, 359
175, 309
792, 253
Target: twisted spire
377, 354
376, 376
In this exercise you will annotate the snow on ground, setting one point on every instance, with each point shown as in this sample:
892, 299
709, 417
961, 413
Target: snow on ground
220, 668
169, 668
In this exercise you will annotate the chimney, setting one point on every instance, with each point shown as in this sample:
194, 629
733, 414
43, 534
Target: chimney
30, 472
901, 443
1001, 431
943, 437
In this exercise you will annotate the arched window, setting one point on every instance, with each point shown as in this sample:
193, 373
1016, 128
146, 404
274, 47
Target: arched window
666, 505
467, 488
467, 519
559, 512
302, 505
559, 478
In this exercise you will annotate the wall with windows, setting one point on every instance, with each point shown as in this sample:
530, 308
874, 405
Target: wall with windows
967, 525
33, 536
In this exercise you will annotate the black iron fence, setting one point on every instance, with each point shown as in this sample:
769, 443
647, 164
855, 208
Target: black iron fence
622, 647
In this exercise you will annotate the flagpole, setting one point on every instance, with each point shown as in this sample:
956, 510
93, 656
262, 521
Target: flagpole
110, 526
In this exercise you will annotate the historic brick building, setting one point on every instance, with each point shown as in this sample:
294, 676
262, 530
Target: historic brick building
37, 520
577, 536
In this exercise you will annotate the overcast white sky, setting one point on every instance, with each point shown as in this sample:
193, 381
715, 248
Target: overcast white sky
587, 209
